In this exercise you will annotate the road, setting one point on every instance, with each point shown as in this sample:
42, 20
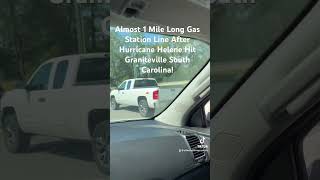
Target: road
125, 113
49, 159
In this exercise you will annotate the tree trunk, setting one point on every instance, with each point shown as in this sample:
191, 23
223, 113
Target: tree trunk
17, 41
93, 29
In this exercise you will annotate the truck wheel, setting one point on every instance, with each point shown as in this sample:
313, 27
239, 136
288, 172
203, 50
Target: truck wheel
99, 147
15, 140
114, 104
144, 109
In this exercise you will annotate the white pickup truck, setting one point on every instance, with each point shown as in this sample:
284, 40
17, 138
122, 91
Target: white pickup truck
140, 92
65, 97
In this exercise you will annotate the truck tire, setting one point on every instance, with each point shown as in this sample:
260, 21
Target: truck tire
15, 140
144, 108
114, 104
99, 147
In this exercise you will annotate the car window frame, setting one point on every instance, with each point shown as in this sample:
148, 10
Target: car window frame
55, 73
125, 84
198, 106
129, 82
29, 87
84, 83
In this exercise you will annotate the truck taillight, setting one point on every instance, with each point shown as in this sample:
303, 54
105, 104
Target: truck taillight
156, 95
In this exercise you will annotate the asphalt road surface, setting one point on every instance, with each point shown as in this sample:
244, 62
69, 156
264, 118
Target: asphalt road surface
49, 159
125, 113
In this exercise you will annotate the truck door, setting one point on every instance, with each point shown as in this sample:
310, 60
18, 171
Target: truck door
37, 99
119, 97
58, 103
127, 93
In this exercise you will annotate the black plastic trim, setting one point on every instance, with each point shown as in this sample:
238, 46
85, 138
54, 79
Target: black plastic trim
294, 135
195, 108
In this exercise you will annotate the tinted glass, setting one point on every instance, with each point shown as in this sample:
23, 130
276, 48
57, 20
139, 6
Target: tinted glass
40, 80
145, 83
60, 75
93, 71
122, 85
128, 85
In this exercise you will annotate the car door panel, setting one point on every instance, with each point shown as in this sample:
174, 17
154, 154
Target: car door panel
57, 113
121, 94
38, 89
127, 93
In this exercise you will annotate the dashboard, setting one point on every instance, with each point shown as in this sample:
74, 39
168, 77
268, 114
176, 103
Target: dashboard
150, 150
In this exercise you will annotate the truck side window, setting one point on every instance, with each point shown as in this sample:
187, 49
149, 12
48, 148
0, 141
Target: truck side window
145, 83
60, 74
122, 85
128, 85
93, 71
40, 80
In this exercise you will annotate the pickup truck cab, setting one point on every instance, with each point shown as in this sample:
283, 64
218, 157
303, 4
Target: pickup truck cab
65, 98
140, 92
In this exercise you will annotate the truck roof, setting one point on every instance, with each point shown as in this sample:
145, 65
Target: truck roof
143, 79
83, 56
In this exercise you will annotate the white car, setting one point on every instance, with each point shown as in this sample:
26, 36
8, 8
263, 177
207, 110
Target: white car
140, 92
64, 98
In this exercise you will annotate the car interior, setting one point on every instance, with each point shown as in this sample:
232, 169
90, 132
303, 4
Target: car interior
265, 110
173, 145
266, 93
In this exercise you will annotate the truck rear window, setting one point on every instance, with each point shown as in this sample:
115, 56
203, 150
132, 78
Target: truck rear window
92, 71
145, 83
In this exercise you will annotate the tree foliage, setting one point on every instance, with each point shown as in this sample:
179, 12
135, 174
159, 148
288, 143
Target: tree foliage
32, 32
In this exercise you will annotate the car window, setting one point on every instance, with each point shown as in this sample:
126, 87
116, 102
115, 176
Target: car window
93, 71
145, 83
161, 66
40, 80
122, 85
243, 34
60, 74
128, 85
